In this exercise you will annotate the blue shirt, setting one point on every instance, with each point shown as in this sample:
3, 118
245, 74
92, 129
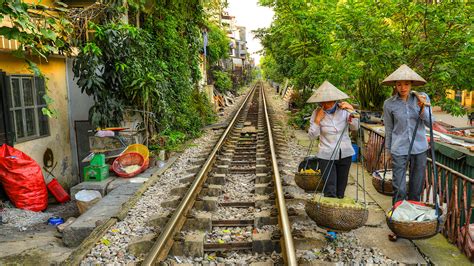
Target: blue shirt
400, 118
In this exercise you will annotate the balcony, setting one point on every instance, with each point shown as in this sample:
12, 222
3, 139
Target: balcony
6, 44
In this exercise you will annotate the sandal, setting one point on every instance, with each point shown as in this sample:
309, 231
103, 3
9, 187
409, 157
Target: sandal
392, 237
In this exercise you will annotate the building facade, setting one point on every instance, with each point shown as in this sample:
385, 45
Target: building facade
22, 123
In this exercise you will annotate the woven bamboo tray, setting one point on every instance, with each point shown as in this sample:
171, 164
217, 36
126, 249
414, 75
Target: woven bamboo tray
309, 182
416, 230
336, 218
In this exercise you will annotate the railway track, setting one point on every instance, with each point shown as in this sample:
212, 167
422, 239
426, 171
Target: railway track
241, 179
229, 198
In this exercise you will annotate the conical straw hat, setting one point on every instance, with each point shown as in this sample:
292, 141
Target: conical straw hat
404, 73
326, 93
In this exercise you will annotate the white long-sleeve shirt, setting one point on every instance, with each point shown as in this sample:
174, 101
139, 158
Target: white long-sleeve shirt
329, 130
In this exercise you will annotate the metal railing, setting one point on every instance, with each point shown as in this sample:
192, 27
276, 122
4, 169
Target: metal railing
454, 191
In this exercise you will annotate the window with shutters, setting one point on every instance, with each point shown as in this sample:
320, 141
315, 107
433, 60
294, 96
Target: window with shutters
25, 104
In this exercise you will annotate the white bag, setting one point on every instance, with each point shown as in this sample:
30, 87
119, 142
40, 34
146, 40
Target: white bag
408, 212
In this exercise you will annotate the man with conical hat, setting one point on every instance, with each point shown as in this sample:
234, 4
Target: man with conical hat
402, 112
328, 122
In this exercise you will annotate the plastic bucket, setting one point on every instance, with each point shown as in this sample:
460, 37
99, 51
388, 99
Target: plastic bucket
86, 199
356, 155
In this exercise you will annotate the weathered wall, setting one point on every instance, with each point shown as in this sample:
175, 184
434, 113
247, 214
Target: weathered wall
58, 141
79, 105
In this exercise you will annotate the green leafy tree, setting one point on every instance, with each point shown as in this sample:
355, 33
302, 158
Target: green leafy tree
222, 80
355, 44
218, 44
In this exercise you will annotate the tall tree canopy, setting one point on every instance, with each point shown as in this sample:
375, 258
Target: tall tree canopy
356, 44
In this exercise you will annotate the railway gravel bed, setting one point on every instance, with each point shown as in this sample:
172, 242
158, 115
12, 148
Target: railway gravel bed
229, 258
238, 188
246, 156
112, 248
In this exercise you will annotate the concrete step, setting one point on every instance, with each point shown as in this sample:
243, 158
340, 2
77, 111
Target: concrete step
106, 208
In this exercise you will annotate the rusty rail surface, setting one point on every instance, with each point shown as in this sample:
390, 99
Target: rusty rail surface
287, 244
454, 192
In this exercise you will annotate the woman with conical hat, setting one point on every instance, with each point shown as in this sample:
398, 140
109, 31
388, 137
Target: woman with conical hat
328, 122
401, 113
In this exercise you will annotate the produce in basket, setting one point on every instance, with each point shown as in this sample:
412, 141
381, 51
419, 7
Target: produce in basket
310, 171
345, 202
337, 214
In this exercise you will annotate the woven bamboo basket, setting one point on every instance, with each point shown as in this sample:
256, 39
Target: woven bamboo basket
383, 186
416, 230
336, 218
309, 182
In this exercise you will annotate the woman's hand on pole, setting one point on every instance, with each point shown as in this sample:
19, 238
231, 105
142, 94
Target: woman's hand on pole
421, 102
346, 106
319, 116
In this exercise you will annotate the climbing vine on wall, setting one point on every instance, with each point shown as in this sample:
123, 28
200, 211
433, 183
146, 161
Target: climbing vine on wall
153, 69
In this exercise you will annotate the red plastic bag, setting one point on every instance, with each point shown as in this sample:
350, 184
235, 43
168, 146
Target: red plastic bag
22, 179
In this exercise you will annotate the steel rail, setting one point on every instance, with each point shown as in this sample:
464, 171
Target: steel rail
164, 242
288, 248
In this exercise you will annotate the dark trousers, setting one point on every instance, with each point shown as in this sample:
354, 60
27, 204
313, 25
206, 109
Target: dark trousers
417, 176
337, 177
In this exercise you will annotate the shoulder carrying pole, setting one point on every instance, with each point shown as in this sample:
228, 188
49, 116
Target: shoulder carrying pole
435, 171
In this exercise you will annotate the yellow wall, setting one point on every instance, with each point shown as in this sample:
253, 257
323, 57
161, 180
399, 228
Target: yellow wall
467, 98
58, 141
450, 94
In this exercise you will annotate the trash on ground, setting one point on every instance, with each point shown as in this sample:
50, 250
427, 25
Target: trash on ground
68, 222
19, 218
55, 221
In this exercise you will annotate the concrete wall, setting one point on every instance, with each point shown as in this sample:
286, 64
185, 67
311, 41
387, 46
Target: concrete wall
58, 141
79, 105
